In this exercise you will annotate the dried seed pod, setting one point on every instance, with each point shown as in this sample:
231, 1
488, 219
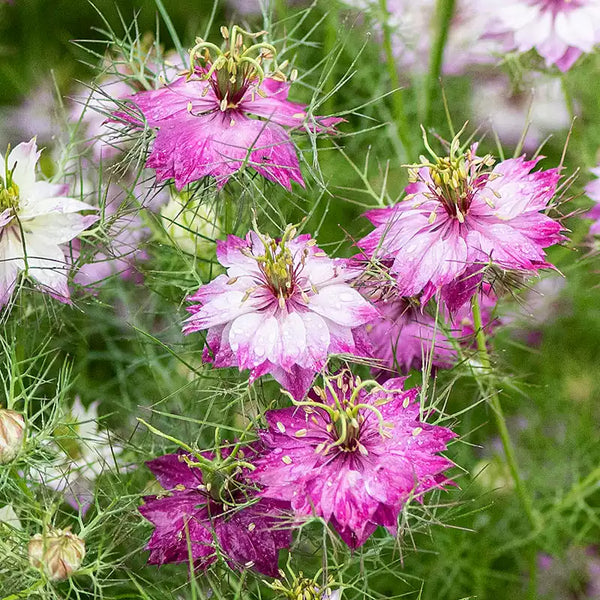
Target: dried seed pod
12, 430
57, 552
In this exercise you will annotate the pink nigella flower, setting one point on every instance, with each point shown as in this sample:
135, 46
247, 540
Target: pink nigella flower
206, 118
36, 219
560, 30
539, 105
460, 215
413, 26
592, 189
352, 456
248, 531
403, 336
282, 308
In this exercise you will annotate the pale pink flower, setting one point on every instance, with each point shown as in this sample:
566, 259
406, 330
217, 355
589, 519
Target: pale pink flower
539, 106
37, 116
413, 31
282, 308
36, 219
560, 30
353, 457
83, 452
207, 125
575, 574
592, 189
461, 215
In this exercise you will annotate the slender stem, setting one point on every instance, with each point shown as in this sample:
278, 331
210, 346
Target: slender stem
25, 593
398, 98
444, 12
329, 44
533, 575
494, 401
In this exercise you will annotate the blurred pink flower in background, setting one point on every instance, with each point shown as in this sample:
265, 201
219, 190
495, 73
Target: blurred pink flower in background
592, 189
413, 31
405, 337
91, 107
575, 575
36, 116
560, 30
82, 452
120, 254
540, 104
543, 303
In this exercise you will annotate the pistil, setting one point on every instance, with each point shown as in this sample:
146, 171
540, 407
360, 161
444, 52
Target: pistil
9, 190
455, 179
233, 72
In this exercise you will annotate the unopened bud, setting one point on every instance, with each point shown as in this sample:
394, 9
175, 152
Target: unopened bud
12, 430
58, 553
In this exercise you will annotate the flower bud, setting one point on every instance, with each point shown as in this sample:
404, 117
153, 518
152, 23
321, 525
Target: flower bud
12, 430
58, 553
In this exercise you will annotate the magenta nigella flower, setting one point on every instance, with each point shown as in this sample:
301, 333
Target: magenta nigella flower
592, 189
352, 456
282, 308
199, 517
460, 215
36, 220
403, 335
560, 30
206, 118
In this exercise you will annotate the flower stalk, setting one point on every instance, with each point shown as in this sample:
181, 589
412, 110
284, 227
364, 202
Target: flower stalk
444, 12
398, 97
496, 405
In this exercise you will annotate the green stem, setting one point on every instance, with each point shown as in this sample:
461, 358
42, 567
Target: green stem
533, 574
25, 593
444, 12
494, 401
398, 98
329, 44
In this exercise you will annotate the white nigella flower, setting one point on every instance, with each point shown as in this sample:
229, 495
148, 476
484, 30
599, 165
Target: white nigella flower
83, 453
35, 219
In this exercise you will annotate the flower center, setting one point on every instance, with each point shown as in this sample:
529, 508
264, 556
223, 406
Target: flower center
231, 73
277, 266
9, 190
455, 179
301, 588
348, 416
279, 271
